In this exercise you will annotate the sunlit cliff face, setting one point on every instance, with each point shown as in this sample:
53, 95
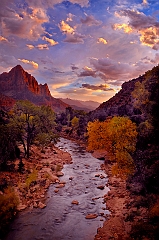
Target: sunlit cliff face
79, 46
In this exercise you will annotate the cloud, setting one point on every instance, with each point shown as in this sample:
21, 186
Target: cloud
25, 25
87, 72
112, 70
101, 87
102, 40
51, 3
30, 46
90, 21
71, 35
145, 26
52, 42
42, 47
145, 2
150, 37
73, 67
66, 28
124, 26
3, 39
32, 63
74, 38
70, 17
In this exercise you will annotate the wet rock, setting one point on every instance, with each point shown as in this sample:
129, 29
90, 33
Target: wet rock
97, 175
35, 205
75, 202
59, 174
21, 207
60, 185
91, 216
56, 190
101, 187
41, 205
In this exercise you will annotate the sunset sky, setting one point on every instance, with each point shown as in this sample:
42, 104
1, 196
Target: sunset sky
83, 49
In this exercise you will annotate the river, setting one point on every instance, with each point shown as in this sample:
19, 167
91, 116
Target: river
62, 220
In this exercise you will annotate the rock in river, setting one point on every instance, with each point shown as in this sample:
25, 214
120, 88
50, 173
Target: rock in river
91, 216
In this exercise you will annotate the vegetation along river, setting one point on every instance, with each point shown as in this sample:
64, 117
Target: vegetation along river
62, 220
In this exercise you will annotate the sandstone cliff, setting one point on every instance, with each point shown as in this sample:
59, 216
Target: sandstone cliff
20, 85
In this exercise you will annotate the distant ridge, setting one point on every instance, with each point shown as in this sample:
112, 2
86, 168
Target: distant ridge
81, 105
20, 85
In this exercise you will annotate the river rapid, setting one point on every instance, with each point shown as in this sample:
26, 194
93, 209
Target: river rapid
62, 220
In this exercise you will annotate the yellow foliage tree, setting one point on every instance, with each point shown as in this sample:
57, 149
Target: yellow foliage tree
118, 137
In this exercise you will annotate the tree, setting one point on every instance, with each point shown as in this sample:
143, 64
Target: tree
118, 137
30, 121
75, 122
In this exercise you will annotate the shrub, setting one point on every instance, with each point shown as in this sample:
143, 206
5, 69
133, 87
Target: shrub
32, 177
8, 208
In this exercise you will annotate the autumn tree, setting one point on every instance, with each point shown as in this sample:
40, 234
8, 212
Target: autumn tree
75, 122
118, 137
31, 122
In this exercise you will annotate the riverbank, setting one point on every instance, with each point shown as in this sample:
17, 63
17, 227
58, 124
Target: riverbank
129, 211
40, 170
116, 201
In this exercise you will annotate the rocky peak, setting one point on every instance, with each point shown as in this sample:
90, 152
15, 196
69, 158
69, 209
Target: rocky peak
20, 85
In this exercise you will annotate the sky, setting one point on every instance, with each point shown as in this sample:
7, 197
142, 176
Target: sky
83, 49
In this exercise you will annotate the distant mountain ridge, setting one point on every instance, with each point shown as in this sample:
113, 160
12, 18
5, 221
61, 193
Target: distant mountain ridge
17, 84
81, 105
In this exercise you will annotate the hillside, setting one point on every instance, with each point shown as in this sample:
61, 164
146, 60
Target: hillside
20, 85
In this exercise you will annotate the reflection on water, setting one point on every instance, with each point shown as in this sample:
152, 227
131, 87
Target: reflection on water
62, 220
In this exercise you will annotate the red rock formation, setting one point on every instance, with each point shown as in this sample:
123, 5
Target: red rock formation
21, 85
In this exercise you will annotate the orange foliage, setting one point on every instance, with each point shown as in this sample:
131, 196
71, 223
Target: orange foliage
118, 137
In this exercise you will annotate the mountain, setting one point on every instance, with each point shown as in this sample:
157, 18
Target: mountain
121, 104
20, 85
81, 105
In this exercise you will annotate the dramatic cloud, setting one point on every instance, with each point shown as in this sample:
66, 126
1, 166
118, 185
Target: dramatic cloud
90, 21
25, 25
52, 42
113, 70
125, 27
150, 37
146, 26
71, 35
87, 72
101, 87
32, 63
102, 40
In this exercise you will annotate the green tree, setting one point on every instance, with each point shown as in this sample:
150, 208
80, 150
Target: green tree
30, 121
118, 137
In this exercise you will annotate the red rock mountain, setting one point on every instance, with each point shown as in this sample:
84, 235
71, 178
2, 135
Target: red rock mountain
20, 85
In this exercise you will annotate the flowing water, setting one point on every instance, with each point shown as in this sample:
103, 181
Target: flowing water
62, 220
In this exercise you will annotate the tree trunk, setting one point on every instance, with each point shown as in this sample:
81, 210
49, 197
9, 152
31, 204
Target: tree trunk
28, 146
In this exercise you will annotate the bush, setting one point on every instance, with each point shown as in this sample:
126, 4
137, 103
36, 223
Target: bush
8, 208
32, 177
